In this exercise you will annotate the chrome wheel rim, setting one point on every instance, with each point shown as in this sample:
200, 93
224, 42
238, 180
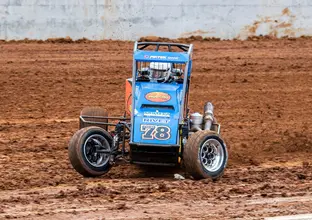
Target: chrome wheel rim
211, 155
90, 149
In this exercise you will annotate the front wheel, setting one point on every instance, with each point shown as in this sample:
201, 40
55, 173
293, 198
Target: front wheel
205, 155
89, 151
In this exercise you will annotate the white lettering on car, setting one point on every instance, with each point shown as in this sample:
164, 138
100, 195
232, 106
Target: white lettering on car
157, 114
156, 120
173, 58
158, 57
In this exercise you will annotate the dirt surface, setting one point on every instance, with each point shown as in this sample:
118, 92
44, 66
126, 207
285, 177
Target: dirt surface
262, 92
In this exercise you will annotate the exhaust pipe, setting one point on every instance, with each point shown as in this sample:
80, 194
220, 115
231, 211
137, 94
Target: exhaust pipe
208, 113
199, 121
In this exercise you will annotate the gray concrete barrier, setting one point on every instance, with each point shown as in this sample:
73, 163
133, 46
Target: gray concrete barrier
132, 19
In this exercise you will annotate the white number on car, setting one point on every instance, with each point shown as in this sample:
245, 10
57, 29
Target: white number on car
151, 132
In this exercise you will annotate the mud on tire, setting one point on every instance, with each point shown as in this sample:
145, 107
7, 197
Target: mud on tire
205, 155
93, 111
82, 151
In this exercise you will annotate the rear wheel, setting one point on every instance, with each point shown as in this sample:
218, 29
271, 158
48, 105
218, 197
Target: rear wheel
89, 151
93, 111
205, 155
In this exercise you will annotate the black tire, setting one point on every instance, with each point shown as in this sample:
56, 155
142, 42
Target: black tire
77, 151
192, 155
93, 111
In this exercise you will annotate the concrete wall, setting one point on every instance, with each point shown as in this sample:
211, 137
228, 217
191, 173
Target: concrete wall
131, 19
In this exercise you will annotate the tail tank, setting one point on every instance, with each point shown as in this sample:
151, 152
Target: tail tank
156, 113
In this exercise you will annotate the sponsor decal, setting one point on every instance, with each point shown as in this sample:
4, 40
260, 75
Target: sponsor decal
158, 57
173, 58
156, 120
157, 97
151, 132
157, 114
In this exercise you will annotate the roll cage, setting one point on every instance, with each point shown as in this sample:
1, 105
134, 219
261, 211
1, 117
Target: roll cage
144, 45
184, 56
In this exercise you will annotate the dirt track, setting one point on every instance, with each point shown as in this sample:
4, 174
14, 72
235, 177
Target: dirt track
262, 91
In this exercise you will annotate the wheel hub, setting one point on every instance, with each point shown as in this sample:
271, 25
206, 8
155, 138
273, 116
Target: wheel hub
212, 155
90, 149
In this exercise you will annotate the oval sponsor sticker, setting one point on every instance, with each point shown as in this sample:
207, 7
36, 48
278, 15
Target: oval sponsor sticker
158, 97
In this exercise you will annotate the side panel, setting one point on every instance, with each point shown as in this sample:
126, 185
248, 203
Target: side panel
156, 113
128, 96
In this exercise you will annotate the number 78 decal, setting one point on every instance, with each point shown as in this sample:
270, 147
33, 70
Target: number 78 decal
151, 132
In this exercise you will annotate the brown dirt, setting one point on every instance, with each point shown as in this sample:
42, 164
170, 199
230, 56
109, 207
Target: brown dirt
263, 98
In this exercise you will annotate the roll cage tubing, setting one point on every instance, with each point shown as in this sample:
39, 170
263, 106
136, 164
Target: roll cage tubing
141, 46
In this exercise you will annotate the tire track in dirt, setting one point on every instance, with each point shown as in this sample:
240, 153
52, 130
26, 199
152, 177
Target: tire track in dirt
261, 90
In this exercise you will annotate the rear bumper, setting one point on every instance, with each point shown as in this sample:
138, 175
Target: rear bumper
156, 155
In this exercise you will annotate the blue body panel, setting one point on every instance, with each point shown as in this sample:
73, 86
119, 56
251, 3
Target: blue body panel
157, 110
156, 122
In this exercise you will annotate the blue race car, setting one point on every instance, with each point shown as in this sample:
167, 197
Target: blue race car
157, 127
